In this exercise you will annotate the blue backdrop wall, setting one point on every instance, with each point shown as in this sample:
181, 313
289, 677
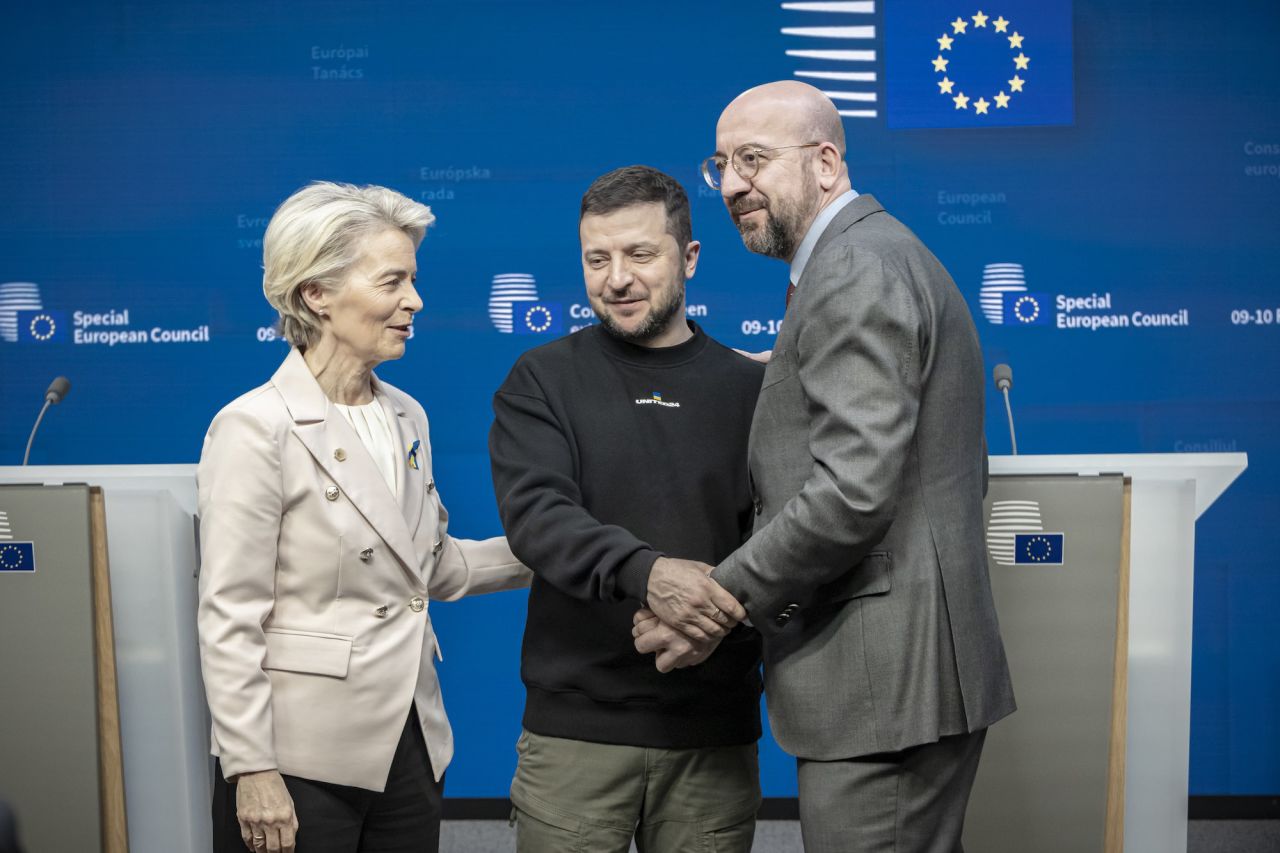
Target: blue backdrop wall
1126, 154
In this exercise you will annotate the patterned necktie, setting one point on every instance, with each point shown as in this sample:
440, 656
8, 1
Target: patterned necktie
791, 291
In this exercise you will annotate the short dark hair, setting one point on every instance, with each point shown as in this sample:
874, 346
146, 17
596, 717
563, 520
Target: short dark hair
640, 185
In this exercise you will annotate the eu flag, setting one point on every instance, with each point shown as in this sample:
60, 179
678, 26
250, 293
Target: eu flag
947, 65
536, 318
1026, 309
1038, 549
17, 556
44, 326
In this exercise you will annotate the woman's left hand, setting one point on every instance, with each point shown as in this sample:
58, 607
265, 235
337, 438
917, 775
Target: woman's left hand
265, 811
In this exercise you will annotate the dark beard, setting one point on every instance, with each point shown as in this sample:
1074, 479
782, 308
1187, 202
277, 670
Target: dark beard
660, 317
784, 226
774, 240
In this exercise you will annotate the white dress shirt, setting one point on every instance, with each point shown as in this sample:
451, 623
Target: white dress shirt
370, 423
819, 225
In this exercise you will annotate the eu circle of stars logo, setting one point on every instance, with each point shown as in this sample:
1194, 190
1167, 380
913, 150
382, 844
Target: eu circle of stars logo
538, 318
1026, 309
42, 327
1038, 549
983, 29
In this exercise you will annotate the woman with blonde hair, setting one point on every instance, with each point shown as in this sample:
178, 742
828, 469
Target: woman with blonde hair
323, 539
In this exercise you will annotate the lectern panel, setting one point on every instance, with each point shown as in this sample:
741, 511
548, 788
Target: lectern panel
1055, 552
48, 705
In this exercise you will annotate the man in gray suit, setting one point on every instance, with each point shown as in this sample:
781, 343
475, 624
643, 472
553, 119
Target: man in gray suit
866, 573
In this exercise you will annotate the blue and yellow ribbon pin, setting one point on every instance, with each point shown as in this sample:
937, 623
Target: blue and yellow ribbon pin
413, 454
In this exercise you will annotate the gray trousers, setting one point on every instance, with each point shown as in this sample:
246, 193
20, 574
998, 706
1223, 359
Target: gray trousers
900, 802
573, 796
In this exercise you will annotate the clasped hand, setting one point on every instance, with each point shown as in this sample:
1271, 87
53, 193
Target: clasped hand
688, 614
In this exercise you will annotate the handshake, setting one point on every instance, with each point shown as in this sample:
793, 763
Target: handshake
687, 614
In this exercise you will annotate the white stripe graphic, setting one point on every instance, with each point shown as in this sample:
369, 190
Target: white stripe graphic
508, 288
850, 96
1008, 519
865, 32
997, 281
836, 55
861, 8
852, 76
831, 32
16, 296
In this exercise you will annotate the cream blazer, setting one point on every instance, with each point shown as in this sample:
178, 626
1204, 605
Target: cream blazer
315, 629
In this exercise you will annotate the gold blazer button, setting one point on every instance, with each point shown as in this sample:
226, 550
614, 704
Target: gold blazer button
340, 455
431, 486
416, 605
366, 555
381, 612
331, 493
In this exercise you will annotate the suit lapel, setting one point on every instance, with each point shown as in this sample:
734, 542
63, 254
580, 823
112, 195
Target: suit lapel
853, 212
412, 461
324, 432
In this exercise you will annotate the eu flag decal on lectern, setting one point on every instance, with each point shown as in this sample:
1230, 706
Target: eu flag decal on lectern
949, 63
17, 556
1038, 549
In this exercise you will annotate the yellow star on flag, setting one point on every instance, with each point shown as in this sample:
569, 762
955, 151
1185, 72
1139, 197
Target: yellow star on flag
1015, 40
959, 25
980, 20
980, 106
1016, 83
944, 43
1002, 26
940, 64
962, 101
1020, 61
1002, 101
945, 86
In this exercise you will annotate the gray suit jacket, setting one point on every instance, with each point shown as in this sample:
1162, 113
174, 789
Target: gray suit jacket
867, 572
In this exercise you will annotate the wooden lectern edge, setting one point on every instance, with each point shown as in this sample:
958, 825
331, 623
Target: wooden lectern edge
115, 830
1114, 834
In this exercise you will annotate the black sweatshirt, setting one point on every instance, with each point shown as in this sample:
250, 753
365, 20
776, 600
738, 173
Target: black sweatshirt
607, 455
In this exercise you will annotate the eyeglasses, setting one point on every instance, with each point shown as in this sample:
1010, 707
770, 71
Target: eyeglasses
746, 162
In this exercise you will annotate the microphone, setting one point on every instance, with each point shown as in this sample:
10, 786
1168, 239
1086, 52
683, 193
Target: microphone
58, 389
1003, 376
56, 393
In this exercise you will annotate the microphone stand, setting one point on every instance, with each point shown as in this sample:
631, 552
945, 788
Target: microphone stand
1009, 411
32, 437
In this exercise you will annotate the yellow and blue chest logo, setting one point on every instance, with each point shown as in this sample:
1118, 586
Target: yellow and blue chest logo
655, 399
413, 454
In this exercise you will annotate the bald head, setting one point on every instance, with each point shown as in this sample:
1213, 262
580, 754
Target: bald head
780, 155
790, 104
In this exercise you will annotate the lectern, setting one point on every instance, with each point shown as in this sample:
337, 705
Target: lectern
46, 614
1092, 564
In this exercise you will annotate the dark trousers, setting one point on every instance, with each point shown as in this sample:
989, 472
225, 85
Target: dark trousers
8, 830
901, 802
404, 818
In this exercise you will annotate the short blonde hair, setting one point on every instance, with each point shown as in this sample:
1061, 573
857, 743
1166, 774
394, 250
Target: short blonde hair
313, 238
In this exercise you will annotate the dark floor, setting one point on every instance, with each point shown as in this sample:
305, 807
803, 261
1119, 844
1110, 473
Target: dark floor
783, 836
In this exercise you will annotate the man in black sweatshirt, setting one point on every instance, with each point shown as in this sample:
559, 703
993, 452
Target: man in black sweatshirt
619, 460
